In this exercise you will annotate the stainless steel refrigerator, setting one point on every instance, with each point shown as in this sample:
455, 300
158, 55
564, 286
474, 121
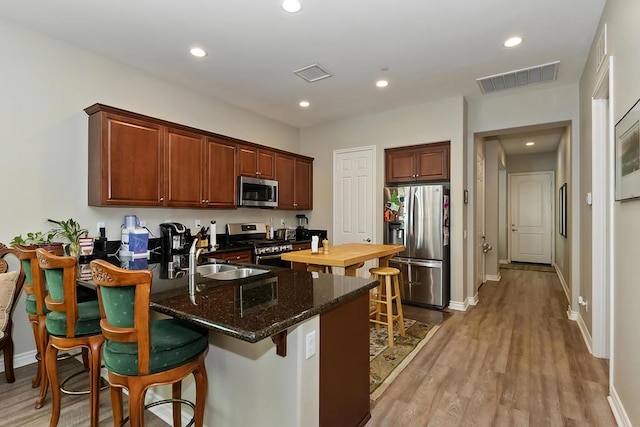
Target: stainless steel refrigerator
418, 218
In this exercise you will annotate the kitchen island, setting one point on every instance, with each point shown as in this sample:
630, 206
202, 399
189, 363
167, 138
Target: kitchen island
350, 256
287, 348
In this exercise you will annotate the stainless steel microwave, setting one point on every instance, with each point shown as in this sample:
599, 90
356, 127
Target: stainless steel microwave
255, 192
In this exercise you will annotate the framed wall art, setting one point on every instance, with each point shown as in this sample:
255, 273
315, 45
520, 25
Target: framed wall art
562, 210
627, 136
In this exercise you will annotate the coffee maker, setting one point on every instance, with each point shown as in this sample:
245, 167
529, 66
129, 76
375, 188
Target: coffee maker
174, 238
303, 221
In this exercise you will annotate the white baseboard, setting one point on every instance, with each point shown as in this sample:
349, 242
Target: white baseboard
585, 334
164, 412
622, 419
503, 261
474, 299
492, 277
572, 315
563, 282
459, 306
20, 360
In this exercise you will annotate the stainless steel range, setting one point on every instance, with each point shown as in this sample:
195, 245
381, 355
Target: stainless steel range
254, 235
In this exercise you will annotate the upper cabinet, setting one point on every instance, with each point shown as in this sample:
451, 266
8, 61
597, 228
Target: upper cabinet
428, 162
220, 185
295, 185
135, 160
126, 161
256, 162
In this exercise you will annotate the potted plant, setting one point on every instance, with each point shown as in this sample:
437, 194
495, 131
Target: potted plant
71, 231
40, 240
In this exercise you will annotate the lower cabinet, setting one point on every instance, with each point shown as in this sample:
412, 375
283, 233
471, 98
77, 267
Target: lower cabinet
242, 256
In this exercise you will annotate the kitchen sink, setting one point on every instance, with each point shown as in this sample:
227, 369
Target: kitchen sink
209, 269
238, 273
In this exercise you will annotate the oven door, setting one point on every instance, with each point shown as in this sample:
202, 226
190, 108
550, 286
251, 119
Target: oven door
273, 260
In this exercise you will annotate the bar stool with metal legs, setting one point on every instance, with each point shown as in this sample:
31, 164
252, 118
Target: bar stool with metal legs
70, 325
381, 301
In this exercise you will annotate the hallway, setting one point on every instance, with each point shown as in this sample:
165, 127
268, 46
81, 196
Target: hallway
513, 360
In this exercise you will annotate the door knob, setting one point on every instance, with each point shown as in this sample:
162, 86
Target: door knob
367, 240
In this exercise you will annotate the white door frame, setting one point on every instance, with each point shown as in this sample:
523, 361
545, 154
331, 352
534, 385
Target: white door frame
480, 220
602, 187
553, 210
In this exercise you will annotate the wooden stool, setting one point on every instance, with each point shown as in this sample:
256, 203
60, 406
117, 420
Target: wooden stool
382, 301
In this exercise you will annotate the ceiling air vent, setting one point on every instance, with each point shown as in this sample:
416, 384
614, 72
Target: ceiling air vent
518, 78
313, 73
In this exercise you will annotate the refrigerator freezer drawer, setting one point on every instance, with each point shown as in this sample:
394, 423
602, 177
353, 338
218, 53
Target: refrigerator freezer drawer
421, 282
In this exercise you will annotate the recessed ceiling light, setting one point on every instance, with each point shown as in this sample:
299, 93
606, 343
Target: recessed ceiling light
382, 83
198, 52
530, 143
304, 104
291, 6
512, 42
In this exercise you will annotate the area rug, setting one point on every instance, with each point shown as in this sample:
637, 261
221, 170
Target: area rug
386, 363
528, 267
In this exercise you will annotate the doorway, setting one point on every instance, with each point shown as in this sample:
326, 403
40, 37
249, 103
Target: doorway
530, 217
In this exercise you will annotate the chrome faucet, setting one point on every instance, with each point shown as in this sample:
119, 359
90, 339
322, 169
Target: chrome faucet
194, 254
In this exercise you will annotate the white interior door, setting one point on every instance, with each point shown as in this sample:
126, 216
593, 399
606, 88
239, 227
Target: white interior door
480, 211
354, 198
531, 208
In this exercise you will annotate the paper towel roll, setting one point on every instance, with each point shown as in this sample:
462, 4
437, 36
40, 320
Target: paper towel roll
213, 235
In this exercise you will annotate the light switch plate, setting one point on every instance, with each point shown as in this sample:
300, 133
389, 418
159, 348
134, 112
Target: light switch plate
311, 344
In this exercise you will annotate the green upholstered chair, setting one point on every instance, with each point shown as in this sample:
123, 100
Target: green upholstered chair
70, 325
11, 282
139, 352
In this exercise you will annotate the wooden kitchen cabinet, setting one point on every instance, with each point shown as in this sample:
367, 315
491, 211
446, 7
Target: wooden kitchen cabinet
428, 162
184, 168
295, 185
220, 184
242, 256
301, 246
256, 162
126, 160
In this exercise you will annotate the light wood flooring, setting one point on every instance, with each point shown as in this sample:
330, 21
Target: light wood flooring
17, 401
513, 360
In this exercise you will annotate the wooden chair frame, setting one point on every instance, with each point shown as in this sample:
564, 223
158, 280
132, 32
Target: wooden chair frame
38, 320
107, 275
93, 343
6, 342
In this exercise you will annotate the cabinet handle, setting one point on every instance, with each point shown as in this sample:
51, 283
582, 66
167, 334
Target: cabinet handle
295, 205
258, 173
162, 199
238, 257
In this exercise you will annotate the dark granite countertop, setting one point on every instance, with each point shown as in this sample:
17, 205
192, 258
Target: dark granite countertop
253, 308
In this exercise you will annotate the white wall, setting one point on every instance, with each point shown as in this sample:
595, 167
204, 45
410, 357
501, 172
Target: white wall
492, 202
419, 124
46, 86
623, 33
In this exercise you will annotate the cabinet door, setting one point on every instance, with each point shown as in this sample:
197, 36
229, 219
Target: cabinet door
433, 162
266, 164
401, 166
125, 161
256, 162
184, 168
220, 174
285, 177
303, 184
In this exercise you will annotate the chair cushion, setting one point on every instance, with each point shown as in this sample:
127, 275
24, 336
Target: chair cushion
30, 304
172, 345
7, 289
88, 322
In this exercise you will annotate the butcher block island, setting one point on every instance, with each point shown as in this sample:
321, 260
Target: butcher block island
286, 348
349, 256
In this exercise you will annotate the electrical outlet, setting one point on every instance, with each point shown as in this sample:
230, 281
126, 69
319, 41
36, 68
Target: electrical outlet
281, 221
198, 223
143, 223
311, 344
99, 225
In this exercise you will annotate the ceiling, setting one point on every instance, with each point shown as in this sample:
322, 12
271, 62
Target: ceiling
427, 49
545, 140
